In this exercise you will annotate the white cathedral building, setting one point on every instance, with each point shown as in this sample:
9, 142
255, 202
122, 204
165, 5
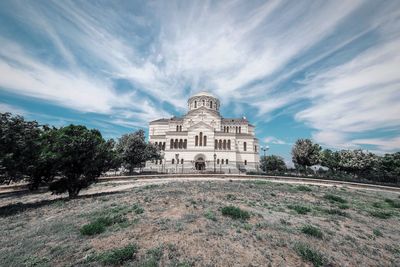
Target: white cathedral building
202, 140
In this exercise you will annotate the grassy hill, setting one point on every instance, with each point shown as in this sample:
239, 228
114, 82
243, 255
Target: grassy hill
205, 223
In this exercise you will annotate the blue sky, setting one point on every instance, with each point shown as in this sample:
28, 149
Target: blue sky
326, 70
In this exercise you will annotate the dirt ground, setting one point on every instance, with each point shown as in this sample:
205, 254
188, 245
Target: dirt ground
181, 223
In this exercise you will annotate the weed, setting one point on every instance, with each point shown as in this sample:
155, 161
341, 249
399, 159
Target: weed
230, 197
312, 231
99, 225
334, 198
299, 209
336, 212
381, 214
309, 254
343, 206
117, 256
303, 188
137, 209
377, 232
394, 203
235, 212
210, 215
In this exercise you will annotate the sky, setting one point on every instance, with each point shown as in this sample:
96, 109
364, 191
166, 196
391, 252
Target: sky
325, 70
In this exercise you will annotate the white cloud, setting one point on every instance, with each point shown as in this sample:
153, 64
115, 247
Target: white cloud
383, 144
274, 140
12, 109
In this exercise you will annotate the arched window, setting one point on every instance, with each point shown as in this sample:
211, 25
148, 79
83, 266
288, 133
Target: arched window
236, 129
181, 161
226, 161
210, 104
185, 143
173, 161
220, 144
196, 141
216, 144
240, 129
222, 161
217, 161
227, 129
205, 140
163, 146
180, 128
244, 146
177, 128
195, 104
176, 143
229, 144
255, 148
224, 144
200, 139
156, 143
180, 143
245, 162
204, 102
172, 144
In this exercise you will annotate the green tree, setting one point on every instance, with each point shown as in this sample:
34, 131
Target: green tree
330, 159
305, 153
80, 156
388, 167
19, 146
134, 151
272, 163
357, 162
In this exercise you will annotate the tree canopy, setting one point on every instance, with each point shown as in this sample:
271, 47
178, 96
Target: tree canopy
305, 153
273, 163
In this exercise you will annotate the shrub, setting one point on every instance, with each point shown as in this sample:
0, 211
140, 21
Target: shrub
312, 231
300, 209
118, 256
343, 206
393, 202
210, 215
137, 209
235, 212
304, 188
377, 232
93, 228
334, 198
381, 214
309, 254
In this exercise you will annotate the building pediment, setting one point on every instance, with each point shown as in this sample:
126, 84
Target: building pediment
200, 125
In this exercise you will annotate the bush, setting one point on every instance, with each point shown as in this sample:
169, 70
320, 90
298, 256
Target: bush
334, 198
309, 254
118, 256
210, 215
393, 202
381, 214
312, 231
93, 228
300, 209
304, 188
235, 212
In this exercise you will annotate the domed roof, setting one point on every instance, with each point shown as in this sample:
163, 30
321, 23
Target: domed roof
203, 94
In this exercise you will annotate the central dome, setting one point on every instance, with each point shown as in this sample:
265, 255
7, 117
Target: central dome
203, 100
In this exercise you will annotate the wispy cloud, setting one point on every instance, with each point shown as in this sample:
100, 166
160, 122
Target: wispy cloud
275, 140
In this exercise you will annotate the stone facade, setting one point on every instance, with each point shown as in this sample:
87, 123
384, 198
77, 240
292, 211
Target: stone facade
202, 140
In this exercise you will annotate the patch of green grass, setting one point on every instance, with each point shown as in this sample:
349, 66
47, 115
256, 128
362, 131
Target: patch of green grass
334, 198
307, 253
377, 232
381, 214
312, 231
137, 209
303, 188
117, 256
394, 203
336, 212
99, 225
209, 214
343, 206
300, 209
235, 212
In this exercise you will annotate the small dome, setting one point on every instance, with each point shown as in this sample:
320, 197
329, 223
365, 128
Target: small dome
203, 94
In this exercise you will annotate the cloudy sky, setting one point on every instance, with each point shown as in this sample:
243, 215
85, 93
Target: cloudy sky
327, 70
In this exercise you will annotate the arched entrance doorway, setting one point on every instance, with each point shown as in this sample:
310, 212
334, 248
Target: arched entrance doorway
200, 163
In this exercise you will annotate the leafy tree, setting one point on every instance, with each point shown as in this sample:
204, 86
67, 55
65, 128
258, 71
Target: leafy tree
356, 161
305, 153
273, 163
388, 167
330, 159
80, 155
19, 146
134, 151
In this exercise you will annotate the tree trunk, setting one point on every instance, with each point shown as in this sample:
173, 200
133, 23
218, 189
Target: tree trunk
73, 192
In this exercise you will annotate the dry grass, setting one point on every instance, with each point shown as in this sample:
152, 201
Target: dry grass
182, 224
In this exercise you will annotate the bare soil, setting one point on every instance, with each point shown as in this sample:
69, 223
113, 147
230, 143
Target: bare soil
181, 224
